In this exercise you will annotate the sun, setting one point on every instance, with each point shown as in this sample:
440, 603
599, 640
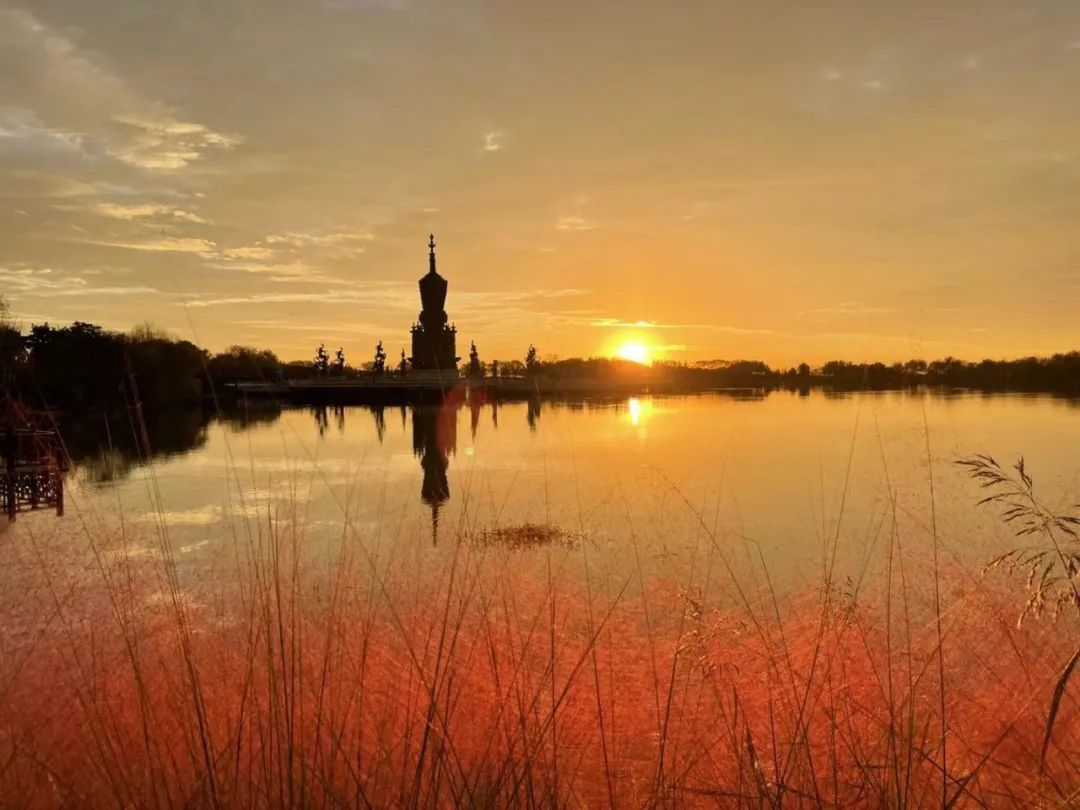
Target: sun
636, 351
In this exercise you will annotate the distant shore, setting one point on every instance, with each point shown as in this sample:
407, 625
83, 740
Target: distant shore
393, 389
84, 369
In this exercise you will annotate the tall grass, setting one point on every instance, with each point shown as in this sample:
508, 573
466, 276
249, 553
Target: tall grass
373, 672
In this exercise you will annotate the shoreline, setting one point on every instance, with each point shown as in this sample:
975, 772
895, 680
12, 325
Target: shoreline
394, 390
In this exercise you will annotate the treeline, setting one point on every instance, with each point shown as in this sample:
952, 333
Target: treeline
83, 366
87, 366
1057, 373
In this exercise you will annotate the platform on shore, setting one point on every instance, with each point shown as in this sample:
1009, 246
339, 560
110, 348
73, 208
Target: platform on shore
31, 472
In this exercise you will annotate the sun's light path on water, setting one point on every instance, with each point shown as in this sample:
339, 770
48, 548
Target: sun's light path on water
639, 411
635, 351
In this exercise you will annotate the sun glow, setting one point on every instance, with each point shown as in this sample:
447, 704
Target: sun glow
636, 351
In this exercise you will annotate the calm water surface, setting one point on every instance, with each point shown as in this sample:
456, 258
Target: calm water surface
643, 479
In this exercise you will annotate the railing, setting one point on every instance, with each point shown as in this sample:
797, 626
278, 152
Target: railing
32, 473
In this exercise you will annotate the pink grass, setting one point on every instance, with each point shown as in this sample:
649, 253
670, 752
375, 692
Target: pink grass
474, 677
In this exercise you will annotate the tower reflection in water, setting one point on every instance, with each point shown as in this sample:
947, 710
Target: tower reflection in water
434, 436
434, 441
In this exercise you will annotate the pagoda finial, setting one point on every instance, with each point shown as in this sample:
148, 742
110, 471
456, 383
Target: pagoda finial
431, 254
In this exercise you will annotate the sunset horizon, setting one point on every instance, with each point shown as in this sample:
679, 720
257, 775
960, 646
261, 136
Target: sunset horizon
714, 185
539, 405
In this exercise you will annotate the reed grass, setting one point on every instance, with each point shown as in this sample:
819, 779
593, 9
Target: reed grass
373, 672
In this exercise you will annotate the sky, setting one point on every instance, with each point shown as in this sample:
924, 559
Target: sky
783, 181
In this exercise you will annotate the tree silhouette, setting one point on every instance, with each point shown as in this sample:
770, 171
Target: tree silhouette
339, 360
12, 345
532, 361
147, 331
494, 368
403, 364
244, 363
86, 364
322, 359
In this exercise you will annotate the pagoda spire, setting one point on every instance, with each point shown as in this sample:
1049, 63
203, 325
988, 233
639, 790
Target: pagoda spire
431, 254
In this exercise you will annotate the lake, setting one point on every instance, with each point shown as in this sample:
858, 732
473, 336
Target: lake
776, 476
599, 601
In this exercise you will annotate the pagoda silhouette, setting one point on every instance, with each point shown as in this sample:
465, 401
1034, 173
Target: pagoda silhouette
434, 441
434, 340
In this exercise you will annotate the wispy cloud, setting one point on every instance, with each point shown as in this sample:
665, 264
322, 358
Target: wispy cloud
341, 296
294, 256
293, 272
34, 280
165, 143
203, 248
615, 323
71, 188
354, 241
364, 5
24, 135
43, 282
320, 328
389, 294
115, 119
848, 308
574, 223
494, 141
257, 252
473, 300
147, 211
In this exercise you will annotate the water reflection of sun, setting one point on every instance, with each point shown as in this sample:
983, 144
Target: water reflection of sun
638, 409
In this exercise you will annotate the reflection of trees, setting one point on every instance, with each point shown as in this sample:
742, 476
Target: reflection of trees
110, 447
107, 447
107, 466
249, 413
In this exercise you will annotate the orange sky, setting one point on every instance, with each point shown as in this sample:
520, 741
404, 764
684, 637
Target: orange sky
717, 179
